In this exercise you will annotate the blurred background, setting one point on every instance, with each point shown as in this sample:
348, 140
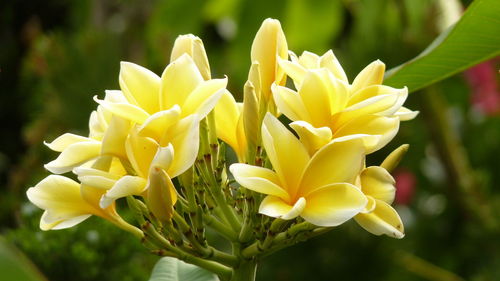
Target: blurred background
55, 55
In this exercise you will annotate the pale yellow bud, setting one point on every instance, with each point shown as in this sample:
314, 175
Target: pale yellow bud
161, 195
193, 46
251, 122
393, 159
269, 43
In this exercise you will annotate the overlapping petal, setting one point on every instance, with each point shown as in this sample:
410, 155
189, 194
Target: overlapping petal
333, 204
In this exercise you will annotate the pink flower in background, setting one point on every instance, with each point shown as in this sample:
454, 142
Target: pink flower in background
484, 85
405, 186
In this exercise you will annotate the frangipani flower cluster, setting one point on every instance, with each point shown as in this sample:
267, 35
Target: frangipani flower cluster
160, 142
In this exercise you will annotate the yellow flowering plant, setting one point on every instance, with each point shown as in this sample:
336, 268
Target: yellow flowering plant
160, 144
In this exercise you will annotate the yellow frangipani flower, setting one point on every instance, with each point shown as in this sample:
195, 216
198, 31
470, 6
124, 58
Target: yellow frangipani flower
325, 101
181, 84
161, 137
379, 218
67, 203
319, 188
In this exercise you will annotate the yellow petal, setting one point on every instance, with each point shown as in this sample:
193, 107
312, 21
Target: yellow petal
406, 114
184, 137
163, 158
336, 162
287, 155
125, 110
385, 127
140, 86
178, 80
95, 177
277, 208
370, 205
60, 224
294, 70
113, 142
378, 183
312, 138
193, 46
269, 43
373, 74
161, 195
157, 124
140, 152
334, 204
315, 93
61, 198
204, 98
227, 115
380, 105
290, 103
126, 186
309, 60
65, 140
373, 91
383, 220
74, 155
329, 61
258, 179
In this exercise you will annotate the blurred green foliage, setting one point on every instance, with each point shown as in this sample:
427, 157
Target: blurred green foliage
55, 55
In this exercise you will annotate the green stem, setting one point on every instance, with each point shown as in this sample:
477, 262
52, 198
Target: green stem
221, 228
246, 271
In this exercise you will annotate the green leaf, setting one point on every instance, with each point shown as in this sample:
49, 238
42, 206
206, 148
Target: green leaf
15, 266
473, 39
172, 269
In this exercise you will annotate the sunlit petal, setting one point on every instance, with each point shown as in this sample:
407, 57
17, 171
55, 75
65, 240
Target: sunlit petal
385, 127
126, 186
157, 124
332, 205
383, 220
204, 98
178, 80
65, 140
315, 94
258, 179
184, 137
329, 61
378, 183
290, 104
227, 115
334, 163
288, 156
140, 86
74, 155
312, 138
373, 74
126, 110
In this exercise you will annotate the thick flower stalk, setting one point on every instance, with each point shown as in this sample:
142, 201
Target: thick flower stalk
160, 144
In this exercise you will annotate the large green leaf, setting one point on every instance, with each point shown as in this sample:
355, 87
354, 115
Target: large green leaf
172, 269
15, 266
473, 39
